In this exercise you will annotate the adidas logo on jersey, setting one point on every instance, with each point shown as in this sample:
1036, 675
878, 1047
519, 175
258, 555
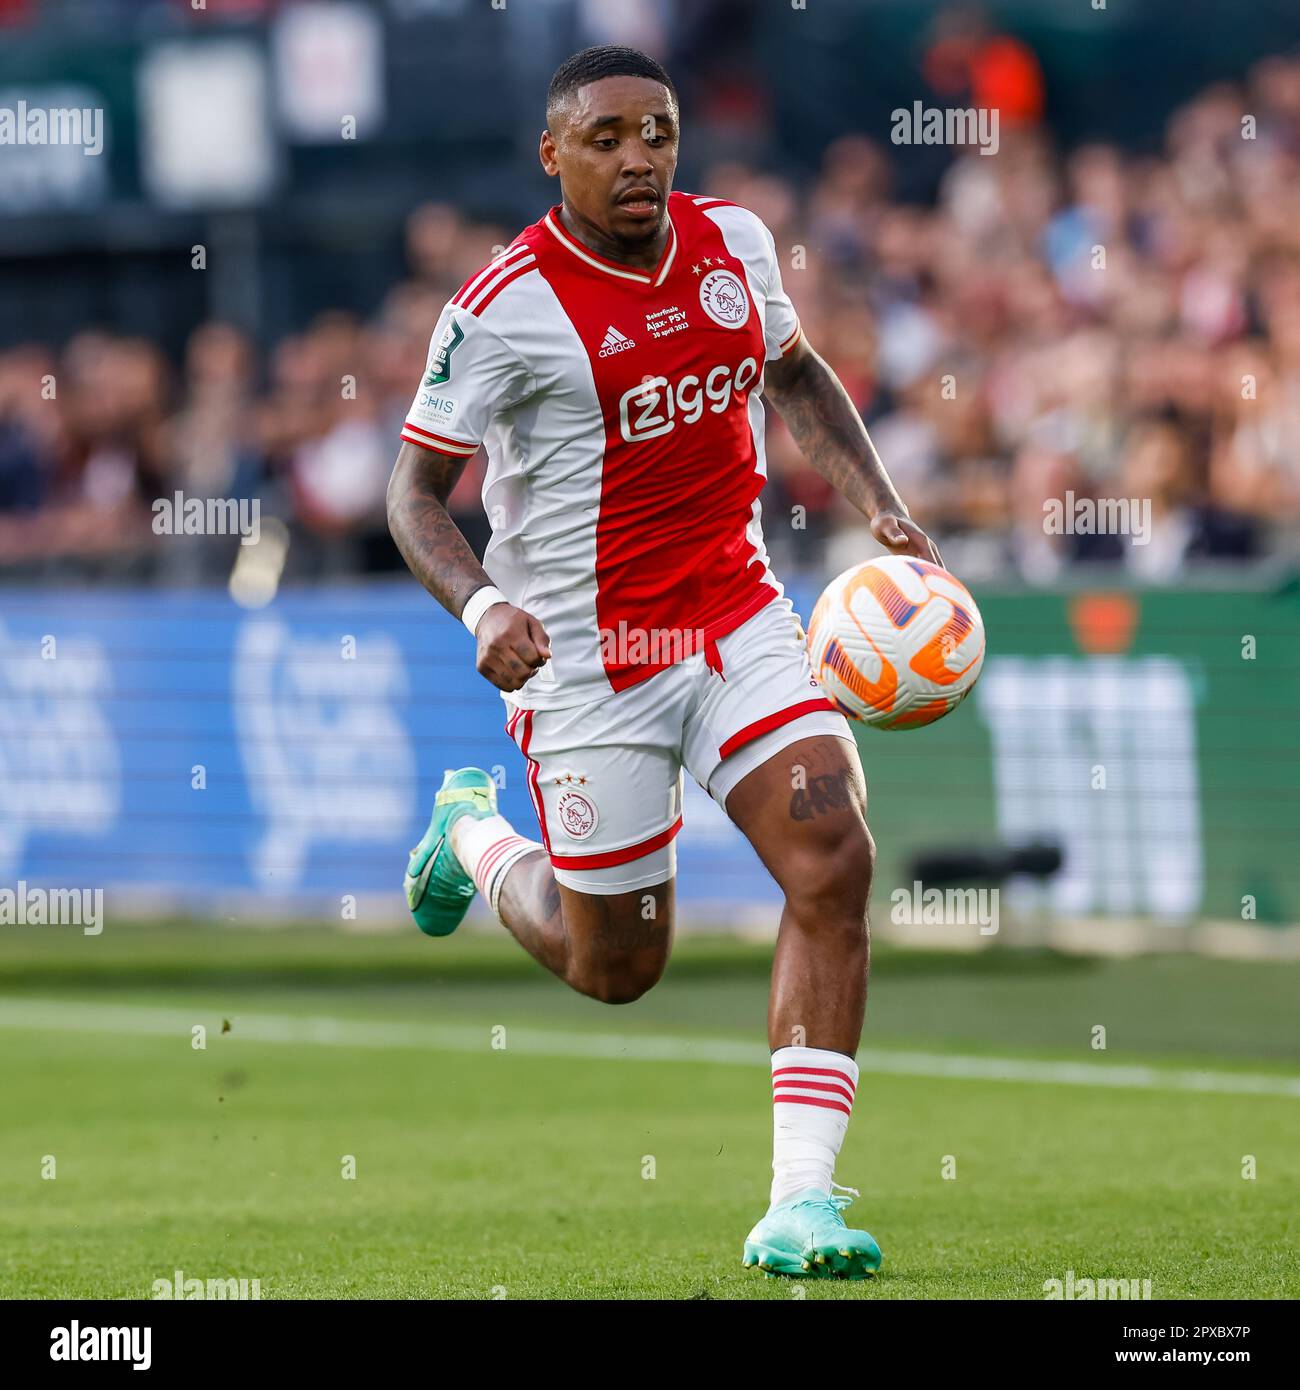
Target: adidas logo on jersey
614, 342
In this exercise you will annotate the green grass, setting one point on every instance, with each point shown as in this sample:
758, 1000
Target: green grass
480, 1171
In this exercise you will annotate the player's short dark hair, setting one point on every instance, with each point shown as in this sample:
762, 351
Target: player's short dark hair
604, 60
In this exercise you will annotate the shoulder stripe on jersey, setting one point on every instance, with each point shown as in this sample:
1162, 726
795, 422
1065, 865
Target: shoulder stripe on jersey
515, 271
714, 202
476, 280
413, 434
473, 299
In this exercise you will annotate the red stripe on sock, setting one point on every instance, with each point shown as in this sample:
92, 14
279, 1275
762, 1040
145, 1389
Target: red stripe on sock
815, 1086
493, 855
816, 1071
811, 1100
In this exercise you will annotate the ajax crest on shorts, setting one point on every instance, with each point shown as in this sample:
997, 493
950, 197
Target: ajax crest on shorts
576, 810
577, 813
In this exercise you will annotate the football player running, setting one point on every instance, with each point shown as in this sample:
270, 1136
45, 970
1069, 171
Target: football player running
611, 362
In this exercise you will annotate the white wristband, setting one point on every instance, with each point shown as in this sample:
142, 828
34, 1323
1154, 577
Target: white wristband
478, 603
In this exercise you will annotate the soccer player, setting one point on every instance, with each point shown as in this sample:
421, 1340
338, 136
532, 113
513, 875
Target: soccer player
611, 362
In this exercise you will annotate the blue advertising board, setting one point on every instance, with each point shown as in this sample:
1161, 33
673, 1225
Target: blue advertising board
173, 747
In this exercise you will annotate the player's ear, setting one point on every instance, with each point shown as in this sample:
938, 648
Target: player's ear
546, 153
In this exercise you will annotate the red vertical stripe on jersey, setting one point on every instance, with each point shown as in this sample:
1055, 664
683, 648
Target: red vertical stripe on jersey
675, 565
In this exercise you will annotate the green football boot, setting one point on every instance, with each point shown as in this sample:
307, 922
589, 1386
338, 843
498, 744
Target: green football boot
438, 890
806, 1238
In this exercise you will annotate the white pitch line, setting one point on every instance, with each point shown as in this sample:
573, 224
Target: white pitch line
55, 1015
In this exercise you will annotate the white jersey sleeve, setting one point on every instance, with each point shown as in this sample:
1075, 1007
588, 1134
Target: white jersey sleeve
780, 322
470, 377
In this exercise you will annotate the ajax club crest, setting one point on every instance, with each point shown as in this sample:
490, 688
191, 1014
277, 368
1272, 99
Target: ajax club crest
577, 814
725, 299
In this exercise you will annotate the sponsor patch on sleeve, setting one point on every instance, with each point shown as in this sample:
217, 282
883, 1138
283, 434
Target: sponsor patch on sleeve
433, 409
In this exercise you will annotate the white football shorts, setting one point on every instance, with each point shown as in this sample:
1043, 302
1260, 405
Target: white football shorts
606, 777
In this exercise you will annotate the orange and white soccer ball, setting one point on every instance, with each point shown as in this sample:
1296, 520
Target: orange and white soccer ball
896, 642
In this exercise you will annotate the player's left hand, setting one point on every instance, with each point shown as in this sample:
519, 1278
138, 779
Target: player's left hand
902, 536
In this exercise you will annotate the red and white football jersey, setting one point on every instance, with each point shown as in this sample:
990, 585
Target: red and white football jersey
620, 413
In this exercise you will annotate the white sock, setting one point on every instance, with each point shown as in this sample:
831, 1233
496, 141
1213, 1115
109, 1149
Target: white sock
488, 850
812, 1099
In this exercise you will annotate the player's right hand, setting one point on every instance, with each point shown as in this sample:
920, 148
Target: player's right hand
512, 645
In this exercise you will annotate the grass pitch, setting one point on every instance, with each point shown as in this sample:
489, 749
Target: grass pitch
510, 1139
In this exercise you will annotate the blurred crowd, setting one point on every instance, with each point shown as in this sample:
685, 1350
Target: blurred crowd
1103, 325
1098, 323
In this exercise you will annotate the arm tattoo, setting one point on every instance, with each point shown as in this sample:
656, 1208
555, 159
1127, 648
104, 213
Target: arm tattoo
828, 429
430, 542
